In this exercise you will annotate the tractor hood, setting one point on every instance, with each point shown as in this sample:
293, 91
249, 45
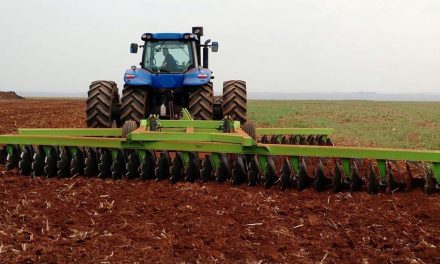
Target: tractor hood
193, 77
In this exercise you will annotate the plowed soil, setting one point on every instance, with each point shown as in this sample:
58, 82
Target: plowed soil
104, 221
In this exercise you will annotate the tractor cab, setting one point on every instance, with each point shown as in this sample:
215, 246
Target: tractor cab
172, 60
169, 56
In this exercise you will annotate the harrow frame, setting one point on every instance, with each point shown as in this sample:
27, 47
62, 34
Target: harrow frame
214, 137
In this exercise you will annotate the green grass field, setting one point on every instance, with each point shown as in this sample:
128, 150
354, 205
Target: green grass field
357, 123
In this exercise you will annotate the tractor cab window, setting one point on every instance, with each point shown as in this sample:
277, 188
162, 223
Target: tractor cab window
168, 56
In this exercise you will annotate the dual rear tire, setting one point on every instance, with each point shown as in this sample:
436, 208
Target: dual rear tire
105, 111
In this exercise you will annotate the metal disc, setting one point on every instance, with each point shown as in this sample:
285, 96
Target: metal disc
176, 169
12, 158
118, 165
91, 163
193, 168
355, 180
207, 171
254, 171
132, 166
63, 164
337, 178
38, 161
391, 182
270, 176
286, 174
303, 179
163, 166
320, 180
105, 163
25, 163
148, 166
224, 170
239, 173
372, 186
3, 154
50, 162
77, 163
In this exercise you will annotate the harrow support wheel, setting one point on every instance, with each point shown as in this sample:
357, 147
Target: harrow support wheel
103, 105
201, 102
235, 100
134, 103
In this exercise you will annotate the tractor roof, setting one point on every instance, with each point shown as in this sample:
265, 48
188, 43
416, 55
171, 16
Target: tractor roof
167, 36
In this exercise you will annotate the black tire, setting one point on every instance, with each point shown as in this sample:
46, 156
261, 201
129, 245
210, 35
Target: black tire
102, 104
201, 102
218, 108
235, 100
128, 127
134, 104
250, 129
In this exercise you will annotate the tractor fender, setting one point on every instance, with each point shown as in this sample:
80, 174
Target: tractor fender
137, 77
196, 76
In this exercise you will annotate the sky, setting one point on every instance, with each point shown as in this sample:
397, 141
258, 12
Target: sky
282, 46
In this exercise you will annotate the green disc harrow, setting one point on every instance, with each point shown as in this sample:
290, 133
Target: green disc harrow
223, 151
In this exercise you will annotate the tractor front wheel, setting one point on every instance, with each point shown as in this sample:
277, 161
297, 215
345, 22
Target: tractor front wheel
103, 105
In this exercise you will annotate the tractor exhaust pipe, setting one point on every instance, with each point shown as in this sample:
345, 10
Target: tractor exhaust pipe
206, 54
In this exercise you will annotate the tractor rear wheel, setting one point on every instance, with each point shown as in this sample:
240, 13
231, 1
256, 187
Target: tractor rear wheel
103, 105
134, 104
201, 102
235, 100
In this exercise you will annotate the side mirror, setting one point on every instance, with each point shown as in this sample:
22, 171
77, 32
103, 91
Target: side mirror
214, 46
133, 48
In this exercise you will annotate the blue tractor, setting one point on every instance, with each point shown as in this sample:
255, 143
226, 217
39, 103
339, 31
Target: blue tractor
173, 74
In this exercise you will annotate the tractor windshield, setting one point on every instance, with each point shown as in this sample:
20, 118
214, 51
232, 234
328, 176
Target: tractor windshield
168, 56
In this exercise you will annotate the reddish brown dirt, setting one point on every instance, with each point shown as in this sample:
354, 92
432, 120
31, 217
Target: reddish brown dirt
105, 221
9, 95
